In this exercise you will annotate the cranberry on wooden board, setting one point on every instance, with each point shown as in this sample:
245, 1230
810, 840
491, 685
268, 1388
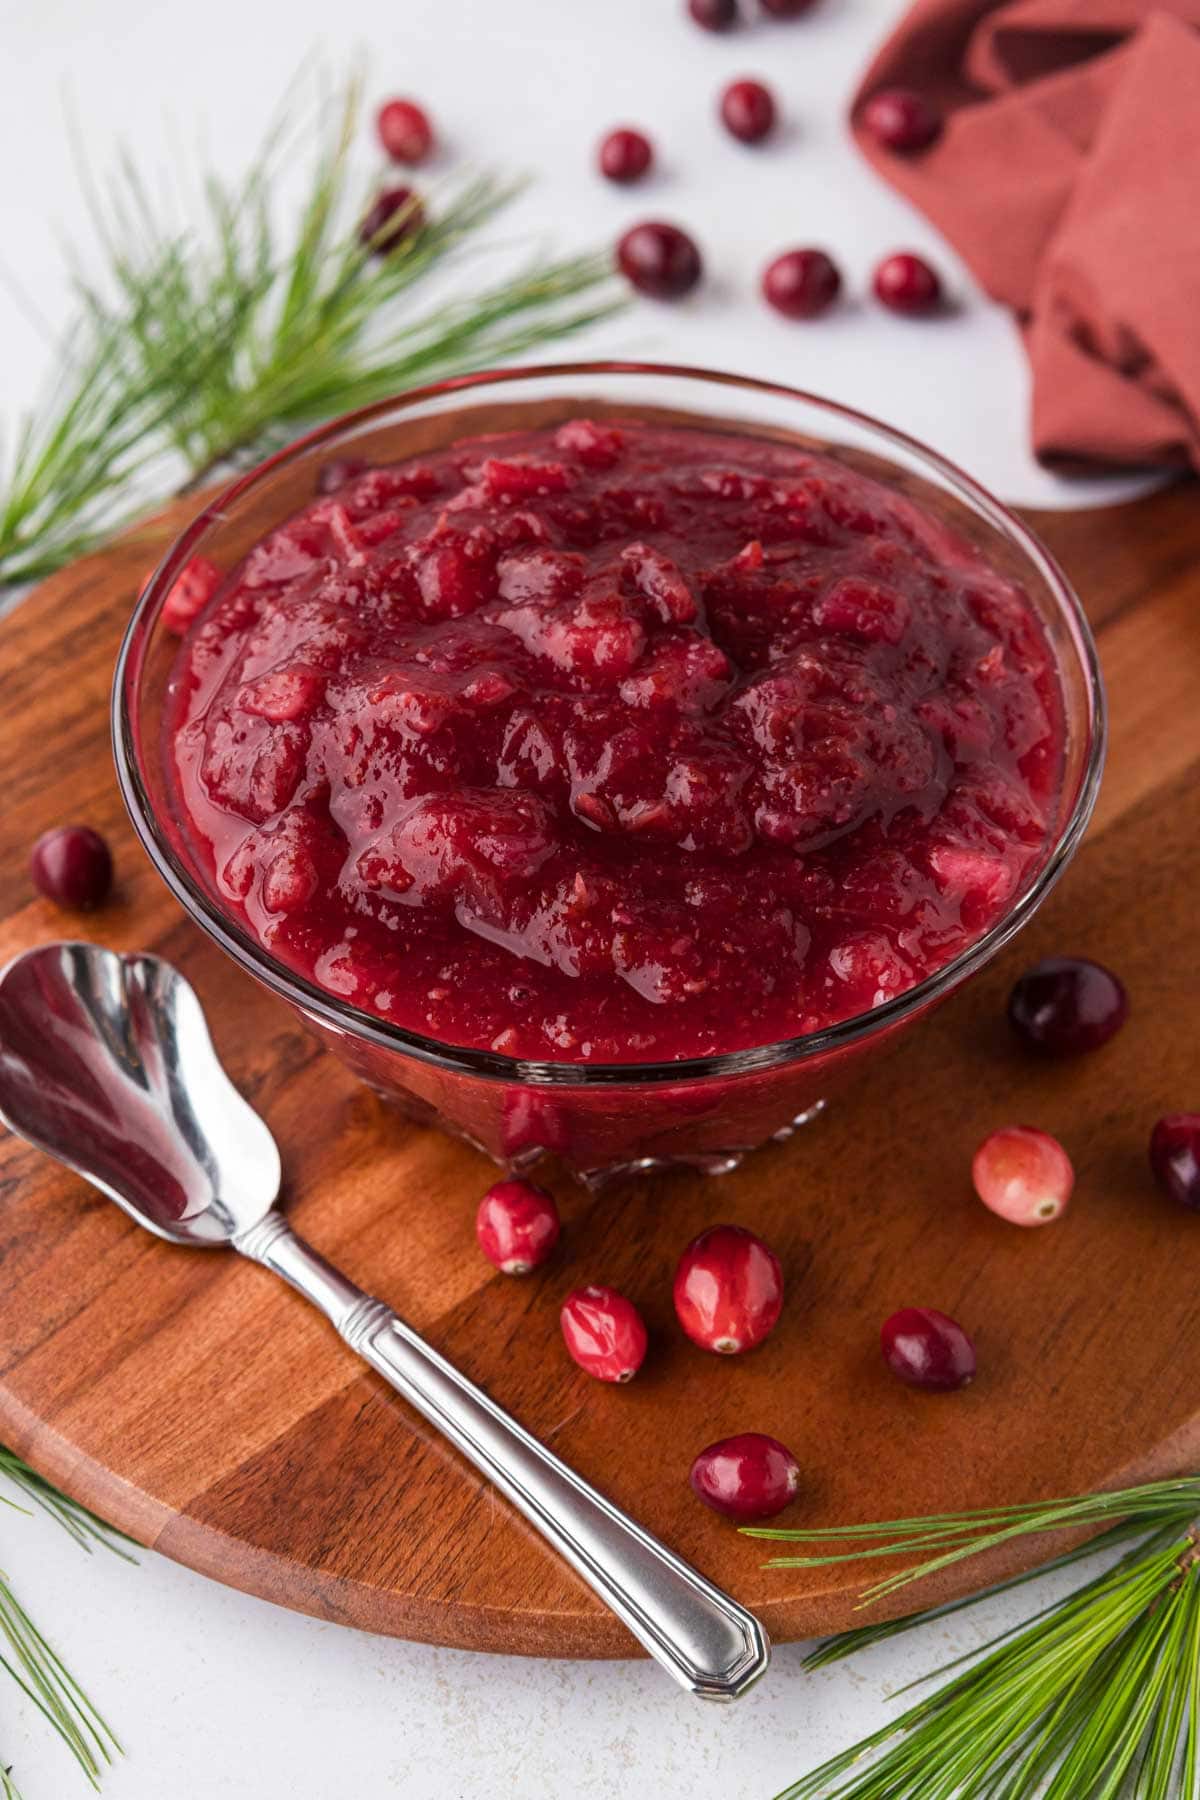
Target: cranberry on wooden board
1067, 1005
604, 1333
405, 131
1023, 1174
713, 15
517, 1226
624, 154
901, 120
905, 283
926, 1349
728, 1290
396, 215
72, 865
801, 284
1175, 1157
659, 260
747, 1477
191, 592
748, 111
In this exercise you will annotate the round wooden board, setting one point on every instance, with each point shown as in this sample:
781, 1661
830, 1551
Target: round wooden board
197, 1403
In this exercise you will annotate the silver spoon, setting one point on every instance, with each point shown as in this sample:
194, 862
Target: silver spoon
106, 1063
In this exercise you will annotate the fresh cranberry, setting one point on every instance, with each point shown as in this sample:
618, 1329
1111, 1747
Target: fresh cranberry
748, 110
604, 1333
1023, 1174
714, 15
625, 154
800, 284
747, 1477
906, 284
72, 866
728, 1289
659, 260
190, 593
1066, 1005
405, 131
1175, 1157
396, 215
926, 1349
786, 9
517, 1226
901, 120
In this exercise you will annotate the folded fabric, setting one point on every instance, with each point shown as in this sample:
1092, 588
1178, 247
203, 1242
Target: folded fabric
1067, 175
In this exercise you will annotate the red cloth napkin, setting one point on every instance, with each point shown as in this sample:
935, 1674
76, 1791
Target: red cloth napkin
1068, 177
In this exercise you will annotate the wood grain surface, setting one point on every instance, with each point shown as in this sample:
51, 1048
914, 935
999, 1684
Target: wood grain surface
197, 1403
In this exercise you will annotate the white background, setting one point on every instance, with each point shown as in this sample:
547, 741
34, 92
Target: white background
216, 1694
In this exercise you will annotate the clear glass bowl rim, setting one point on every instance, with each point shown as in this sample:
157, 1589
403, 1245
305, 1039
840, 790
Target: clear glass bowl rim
490, 1065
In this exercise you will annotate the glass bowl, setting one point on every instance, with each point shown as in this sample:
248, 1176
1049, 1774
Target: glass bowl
599, 1119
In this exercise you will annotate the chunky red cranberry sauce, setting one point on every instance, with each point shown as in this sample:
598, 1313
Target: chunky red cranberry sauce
615, 742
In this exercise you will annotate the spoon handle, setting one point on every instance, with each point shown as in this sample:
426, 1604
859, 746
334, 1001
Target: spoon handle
710, 1644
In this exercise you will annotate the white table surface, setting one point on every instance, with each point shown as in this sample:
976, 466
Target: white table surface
216, 1694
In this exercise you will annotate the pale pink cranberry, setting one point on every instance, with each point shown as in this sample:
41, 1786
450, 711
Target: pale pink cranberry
624, 155
604, 1333
659, 260
72, 865
405, 131
801, 284
747, 1477
906, 283
713, 15
1023, 1174
190, 593
901, 120
1175, 1157
748, 110
397, 214
517, 1226
728, 1290
926, 1349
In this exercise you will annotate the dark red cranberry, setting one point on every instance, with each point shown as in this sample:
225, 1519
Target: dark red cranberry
800, 284
713, 15
927, 1350
517, 1226
748, 110
1066, 1005
786, 9
624, 155
396, 215
901, 120
659, 260
728, 1290
405, 131
336, 473
603, 1332
190, 593
746, 1477
906, 284
1175, 1157
72, 866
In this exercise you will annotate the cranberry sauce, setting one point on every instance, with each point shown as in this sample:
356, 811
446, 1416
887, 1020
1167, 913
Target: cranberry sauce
615, 743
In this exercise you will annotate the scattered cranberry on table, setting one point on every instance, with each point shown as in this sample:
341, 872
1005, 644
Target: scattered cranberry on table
905, 283
659, 260
748, 1477
748, 111
801, 284
624, 154
1175, 1157
405, 131
926, 1349
786, 9
604, 1333
713, 15
1067, 1005
901, 120
728, 1290
1023, 1175
397, 214
191, 592
517, 1226
72, 865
